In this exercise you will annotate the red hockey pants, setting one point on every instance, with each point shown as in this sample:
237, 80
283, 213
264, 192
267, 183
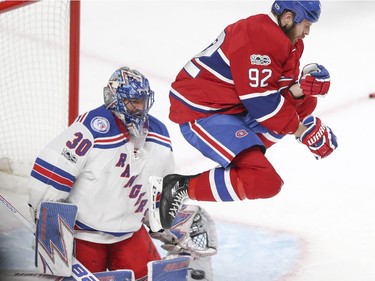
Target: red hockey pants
133, 253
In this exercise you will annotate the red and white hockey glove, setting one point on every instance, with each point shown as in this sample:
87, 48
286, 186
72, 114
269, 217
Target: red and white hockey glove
318, 137
315, 80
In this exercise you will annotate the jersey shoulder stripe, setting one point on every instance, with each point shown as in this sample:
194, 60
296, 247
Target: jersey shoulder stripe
110, 142
159, 139
158, 133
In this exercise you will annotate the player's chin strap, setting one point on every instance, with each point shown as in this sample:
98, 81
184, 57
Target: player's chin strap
193, 232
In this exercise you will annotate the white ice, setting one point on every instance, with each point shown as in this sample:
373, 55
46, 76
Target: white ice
326, 208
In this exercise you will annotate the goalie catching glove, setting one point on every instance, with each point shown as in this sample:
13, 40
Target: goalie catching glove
193, 232
315, 80
318, 137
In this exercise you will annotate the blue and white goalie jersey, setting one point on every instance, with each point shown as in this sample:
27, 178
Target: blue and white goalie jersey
93, 164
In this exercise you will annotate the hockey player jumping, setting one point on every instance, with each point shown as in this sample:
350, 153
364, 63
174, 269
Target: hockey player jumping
241, 95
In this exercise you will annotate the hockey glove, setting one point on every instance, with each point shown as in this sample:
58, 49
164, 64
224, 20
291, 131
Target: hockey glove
193, 232
315, 80
318, 137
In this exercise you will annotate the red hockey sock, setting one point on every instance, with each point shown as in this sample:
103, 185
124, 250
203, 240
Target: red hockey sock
251, 176
202, 188
199, 188
258, 176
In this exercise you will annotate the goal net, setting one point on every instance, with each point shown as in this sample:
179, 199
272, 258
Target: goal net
39, 54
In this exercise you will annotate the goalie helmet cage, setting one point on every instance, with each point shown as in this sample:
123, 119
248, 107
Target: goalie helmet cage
39, 77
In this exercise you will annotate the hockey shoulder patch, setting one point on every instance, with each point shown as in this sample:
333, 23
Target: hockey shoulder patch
54, 238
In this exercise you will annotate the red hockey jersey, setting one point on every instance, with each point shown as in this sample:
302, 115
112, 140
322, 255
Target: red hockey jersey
244, 69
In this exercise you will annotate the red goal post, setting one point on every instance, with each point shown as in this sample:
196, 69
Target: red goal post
39, 77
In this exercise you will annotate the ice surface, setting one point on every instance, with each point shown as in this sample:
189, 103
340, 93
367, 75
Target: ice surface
321, 226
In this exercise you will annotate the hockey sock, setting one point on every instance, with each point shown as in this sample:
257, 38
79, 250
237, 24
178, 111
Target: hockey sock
217, 184
250, 176
258, 176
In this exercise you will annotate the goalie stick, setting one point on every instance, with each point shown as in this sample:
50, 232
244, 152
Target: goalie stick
79, 271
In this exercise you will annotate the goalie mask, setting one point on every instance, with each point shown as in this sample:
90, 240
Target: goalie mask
129, 96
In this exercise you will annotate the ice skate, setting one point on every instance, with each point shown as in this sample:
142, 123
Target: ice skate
175, 192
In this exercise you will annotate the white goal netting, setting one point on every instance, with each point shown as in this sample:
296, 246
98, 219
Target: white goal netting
34, 80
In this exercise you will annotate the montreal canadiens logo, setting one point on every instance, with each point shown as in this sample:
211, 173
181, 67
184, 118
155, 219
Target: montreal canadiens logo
100, 124
241, 133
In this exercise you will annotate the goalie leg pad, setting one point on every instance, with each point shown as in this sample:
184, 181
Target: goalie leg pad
54, 238
169, 269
